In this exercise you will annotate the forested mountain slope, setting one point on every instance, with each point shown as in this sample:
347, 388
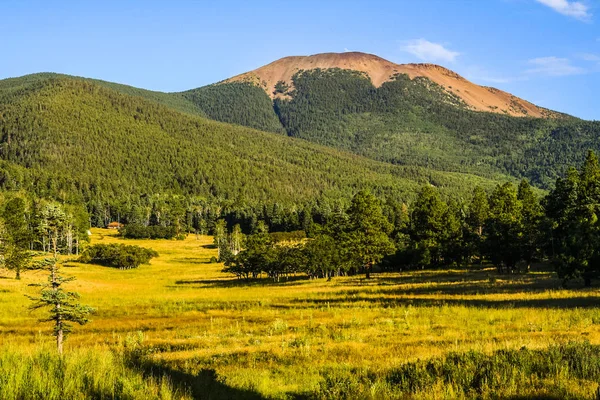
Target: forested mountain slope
76, 139
414, 122
405, 118
417, 115
14, 87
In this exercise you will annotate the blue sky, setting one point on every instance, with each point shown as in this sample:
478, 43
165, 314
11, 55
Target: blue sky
546, 51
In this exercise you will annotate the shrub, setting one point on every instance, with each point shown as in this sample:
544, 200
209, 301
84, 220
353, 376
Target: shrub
117, 255
281, 87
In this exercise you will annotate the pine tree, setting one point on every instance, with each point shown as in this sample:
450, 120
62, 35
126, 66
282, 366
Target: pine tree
573, 208
503, 229
16, 237
532, 214
478, 210
477, 216
367, 239
63, 305
427, 226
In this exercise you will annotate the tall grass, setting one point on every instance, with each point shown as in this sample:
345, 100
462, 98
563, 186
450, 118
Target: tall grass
569, 371
80, 374
220, 338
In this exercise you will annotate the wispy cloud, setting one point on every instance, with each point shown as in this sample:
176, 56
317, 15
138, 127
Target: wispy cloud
553, 66
590, 57
429, 51
477, 73
574, 9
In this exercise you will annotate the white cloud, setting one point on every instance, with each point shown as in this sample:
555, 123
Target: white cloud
553, 66
590, 57
477, 73
429, 51
575, 9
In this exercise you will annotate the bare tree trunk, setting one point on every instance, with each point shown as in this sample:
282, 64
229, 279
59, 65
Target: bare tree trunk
69, 237
59, 341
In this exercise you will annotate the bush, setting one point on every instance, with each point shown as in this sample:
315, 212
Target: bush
148, 232
117, 255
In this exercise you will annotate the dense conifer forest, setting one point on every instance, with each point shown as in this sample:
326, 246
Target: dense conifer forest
409, 122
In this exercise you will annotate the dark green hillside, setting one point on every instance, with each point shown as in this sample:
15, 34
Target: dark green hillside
14, 87
403, 122
415, 122
81, 141
237, 103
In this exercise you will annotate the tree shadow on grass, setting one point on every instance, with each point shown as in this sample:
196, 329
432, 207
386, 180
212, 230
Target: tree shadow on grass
383, 279
386, 302
534, 397
204, 385
461, 275
258, 282
524, 285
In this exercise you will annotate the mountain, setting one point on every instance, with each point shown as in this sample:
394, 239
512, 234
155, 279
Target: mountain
379, 71
414, 115
327, 132
79, 140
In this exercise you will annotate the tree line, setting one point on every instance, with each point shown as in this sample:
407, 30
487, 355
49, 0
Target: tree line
509, 228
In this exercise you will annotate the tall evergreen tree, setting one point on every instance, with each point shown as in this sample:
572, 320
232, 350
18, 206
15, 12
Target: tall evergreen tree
477, 216
367, 238
63, 305
573, 208
427, 227
503, 229
16, 238
451, 239
532, 214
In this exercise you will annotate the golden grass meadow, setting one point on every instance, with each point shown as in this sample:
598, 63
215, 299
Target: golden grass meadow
194, 332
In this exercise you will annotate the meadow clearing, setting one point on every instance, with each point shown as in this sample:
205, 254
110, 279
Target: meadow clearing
194, 332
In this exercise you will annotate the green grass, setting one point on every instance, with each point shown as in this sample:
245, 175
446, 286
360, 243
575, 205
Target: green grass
217, 337
82, 374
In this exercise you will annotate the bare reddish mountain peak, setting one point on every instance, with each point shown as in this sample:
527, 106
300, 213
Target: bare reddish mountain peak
379, 70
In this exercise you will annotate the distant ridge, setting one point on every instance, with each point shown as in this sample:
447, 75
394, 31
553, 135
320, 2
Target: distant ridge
379, 70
